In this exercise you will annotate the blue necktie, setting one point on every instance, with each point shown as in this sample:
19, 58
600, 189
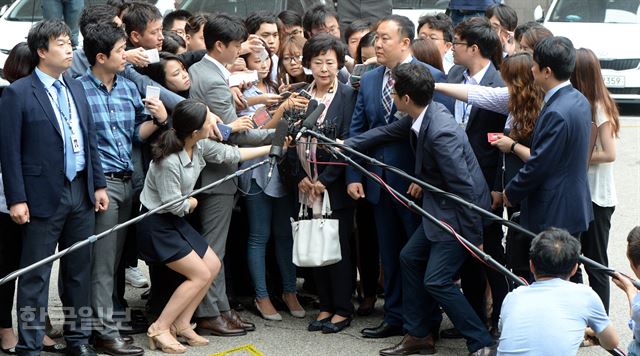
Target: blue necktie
69, 155
387, 100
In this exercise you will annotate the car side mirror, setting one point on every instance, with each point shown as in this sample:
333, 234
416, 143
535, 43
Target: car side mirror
538, 14
3, 9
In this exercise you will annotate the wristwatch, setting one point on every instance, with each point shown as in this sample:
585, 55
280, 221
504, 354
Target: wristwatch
158, 123
513, 146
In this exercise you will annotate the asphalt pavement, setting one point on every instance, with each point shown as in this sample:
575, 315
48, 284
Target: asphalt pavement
289, 337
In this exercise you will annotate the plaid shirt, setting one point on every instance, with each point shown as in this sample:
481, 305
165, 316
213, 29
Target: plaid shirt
117, 116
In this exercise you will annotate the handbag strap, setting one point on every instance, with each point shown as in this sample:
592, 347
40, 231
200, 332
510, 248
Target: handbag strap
303, 211
326, 205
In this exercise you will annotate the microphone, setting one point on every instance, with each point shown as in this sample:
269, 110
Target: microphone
311, 107
277, 149
311, 120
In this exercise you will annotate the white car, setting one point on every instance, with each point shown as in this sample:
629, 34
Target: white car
608, 28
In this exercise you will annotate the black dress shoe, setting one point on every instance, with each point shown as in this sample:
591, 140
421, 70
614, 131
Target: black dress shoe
82, 350
381, 331
116, 347
55, 348
316, 325
451, 333
331, 328
411, 345
367, 306
128, 339
9, 351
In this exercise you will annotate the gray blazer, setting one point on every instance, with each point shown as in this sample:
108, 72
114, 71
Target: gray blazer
208, 84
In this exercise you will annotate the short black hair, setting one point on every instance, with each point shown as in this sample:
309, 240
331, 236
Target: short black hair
137, 16
171, 17
320, 44
172, 42
368, 40
554, 253
356, 26
558, 54
256, 19
40, 34
94, 14
414, 80
478, 31
439, 22
18, 64
505, 14
195, 22
101, 38
290, 18
633, 246
223, 28
405, 25
316, 17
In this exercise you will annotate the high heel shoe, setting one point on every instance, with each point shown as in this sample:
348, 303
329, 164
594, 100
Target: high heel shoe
169, 348
192, 340
298, 313
274, 317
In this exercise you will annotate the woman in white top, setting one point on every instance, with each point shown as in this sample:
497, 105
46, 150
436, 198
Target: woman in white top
166, 237
587, 78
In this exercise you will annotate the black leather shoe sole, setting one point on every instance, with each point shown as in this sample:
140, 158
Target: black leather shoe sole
371, 334
201, 331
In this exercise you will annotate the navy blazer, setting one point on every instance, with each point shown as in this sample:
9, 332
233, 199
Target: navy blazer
368, 114
32, 148
483, 121
552, 185
333, 176
443, 158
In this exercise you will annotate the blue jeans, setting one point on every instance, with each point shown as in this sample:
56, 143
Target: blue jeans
67, 10
267, 216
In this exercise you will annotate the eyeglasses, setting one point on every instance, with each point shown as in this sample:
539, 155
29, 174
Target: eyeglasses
461, 43
290, 60
179, 32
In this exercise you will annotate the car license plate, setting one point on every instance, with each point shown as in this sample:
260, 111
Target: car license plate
613, 81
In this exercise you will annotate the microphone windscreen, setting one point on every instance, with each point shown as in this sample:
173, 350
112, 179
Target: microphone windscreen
311, 120
311, 107
281, 133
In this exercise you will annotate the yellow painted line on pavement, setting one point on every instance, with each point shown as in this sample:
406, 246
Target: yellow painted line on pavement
245, 349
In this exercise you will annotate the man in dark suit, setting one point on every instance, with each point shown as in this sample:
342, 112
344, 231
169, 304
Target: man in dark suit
552, 185
53, 183
476, 44
374, 108
432, 257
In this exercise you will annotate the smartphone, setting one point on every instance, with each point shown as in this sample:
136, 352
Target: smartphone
305, 94
358, 70
354, 79
297, 86
225, 130
261, 117
285, 95
494, 136
152, 92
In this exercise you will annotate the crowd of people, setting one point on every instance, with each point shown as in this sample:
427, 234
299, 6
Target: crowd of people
506, 116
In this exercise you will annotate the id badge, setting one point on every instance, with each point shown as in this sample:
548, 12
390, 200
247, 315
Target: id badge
75, 143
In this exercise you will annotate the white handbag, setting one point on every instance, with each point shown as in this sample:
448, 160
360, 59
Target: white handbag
316, 242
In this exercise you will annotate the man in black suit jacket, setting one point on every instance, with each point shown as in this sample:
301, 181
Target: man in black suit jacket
432, 257
475, 45
552, 186
53, 183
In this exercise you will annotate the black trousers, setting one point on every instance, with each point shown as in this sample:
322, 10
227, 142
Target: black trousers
10, 247
333, 282
366, 249
594, 246
73, 221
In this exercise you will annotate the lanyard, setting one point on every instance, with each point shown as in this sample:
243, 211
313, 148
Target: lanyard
65, 118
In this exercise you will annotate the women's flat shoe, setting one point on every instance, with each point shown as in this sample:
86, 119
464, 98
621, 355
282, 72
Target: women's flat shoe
331, 328
316, 325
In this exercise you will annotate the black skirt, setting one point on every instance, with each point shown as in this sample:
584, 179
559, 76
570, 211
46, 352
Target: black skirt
164, 238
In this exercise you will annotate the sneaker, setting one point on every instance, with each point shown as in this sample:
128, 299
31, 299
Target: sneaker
135, 278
